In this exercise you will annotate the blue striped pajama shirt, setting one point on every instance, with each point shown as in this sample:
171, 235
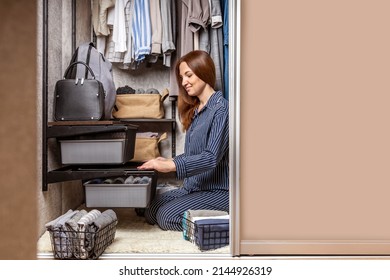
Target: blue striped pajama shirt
204, 166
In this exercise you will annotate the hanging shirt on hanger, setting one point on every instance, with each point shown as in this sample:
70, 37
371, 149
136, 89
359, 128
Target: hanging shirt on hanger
198, 14
101, 29
123, 59
168, 16
156, 24
142, 30
99, 16
199, 21
187, 36
119, 31
216, 42
128, 58
173, 90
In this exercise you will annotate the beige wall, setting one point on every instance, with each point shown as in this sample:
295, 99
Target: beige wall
18, 170
314, 137
315, 127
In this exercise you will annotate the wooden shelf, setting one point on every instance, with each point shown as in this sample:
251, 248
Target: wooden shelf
86, 172
63, 129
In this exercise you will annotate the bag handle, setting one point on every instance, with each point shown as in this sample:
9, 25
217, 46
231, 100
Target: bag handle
75, 63
162, 137
164, 94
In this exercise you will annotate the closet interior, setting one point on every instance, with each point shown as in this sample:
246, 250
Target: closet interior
111, 26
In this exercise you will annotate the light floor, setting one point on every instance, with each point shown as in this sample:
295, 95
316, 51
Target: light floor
135, 236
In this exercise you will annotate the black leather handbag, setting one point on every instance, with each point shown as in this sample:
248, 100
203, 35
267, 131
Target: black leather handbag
78, 99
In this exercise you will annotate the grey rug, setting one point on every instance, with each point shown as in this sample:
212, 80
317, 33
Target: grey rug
134, 235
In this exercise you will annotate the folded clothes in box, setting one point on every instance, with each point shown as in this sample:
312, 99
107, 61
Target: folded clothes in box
211, 233
208, 229
190, 216
118, 192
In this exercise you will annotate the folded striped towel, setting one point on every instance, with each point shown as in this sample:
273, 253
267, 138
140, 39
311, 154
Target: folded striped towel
62, 242
85, 239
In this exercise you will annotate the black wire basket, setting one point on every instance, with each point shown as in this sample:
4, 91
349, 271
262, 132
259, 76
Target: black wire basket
81, 245
207, 234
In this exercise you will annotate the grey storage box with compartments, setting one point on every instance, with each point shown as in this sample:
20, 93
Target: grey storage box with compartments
117, 195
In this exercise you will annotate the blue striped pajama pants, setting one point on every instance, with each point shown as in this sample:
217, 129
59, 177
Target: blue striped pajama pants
167, 209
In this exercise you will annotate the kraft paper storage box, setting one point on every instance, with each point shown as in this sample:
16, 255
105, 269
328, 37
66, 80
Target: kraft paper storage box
117, 195
99, 148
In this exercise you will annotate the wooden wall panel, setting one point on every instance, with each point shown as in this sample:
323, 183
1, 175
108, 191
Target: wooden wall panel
314, 127
18, 145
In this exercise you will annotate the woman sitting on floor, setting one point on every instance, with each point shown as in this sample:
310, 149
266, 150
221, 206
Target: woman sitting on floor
204, 165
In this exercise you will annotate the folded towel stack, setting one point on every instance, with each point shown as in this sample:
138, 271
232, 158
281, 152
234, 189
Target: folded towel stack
104, 220
72, 225
77, 234
85, 239
208, 229
61, 240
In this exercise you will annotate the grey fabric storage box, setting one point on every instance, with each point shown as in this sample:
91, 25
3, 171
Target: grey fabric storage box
99, 148
117, 195
110, 151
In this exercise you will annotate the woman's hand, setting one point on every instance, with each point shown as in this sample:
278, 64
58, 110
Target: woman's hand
160, 164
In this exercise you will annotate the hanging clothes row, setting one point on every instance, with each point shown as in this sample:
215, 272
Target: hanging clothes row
131, 32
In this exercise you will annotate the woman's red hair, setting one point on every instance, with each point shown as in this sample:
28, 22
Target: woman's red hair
203, 67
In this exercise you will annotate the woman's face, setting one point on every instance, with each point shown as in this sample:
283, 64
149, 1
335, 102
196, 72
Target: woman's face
193, 85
